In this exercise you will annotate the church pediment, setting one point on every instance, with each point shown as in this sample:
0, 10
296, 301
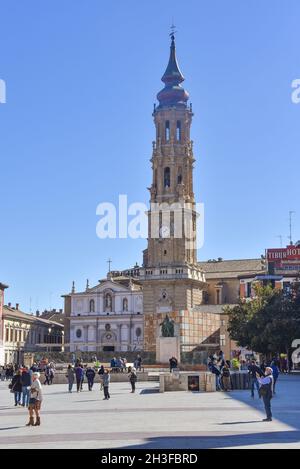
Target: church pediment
109, 286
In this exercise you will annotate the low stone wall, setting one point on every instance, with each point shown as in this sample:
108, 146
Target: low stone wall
88, 357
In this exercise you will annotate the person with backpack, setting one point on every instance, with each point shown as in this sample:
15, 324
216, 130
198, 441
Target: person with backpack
132, 378
266, 391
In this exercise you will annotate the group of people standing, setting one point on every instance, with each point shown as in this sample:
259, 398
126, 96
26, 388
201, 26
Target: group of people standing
79, 372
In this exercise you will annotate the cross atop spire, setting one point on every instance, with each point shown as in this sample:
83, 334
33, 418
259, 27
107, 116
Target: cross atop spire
173, 30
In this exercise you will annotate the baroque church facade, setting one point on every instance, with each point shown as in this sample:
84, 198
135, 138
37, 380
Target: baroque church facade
124, 311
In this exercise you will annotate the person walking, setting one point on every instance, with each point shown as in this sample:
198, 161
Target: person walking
47, 375
79, 377
266, 391
226, 381
35, 400
132, 378
51, 374
90, 375
16, 387
101, 373
26, 381
253, 371
70, 375
106, 381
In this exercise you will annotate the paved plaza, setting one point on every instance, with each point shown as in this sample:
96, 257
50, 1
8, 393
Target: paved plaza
151, 420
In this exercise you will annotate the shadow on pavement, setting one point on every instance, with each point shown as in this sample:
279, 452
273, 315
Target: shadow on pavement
214, 442
11, 428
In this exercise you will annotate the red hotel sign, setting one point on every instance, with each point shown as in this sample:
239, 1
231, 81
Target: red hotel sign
291, 253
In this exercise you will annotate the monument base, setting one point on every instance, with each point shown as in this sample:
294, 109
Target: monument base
167, 347
195, 381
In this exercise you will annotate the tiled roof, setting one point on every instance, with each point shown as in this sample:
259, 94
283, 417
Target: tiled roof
53, 316
231, 268
17, 314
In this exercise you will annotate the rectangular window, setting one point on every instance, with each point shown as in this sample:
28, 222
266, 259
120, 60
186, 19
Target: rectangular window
6, 334
178, 131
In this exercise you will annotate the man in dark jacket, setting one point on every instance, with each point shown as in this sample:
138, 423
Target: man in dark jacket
16, 387
26, 383
79, 377
253, 370
90, 376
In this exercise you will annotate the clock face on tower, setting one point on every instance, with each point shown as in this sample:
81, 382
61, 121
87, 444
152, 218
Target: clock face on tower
164, 232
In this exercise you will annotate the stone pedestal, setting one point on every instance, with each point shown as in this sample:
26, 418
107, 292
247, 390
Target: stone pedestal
194, 381
167, 347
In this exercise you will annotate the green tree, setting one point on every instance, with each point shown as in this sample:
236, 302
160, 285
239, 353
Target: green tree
269, 322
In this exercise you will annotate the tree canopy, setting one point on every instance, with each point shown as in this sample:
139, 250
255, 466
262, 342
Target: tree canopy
267, 323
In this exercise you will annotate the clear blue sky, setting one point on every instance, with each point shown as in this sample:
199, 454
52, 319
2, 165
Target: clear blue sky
77, 129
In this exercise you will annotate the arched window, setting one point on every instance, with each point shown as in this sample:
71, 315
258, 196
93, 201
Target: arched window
167, 131
92, 306
125, 304
108, 302
167, 177
178, 131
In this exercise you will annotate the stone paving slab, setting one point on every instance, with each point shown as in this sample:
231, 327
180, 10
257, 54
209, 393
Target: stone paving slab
151, 420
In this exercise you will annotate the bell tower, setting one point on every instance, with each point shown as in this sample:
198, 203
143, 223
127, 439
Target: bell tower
172, 240
172, 280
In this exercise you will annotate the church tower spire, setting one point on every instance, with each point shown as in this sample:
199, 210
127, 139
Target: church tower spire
173, 94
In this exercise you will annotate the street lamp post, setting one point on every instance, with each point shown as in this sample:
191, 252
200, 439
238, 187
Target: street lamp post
49, 331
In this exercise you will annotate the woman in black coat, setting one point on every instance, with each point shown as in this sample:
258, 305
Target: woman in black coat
16, 387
